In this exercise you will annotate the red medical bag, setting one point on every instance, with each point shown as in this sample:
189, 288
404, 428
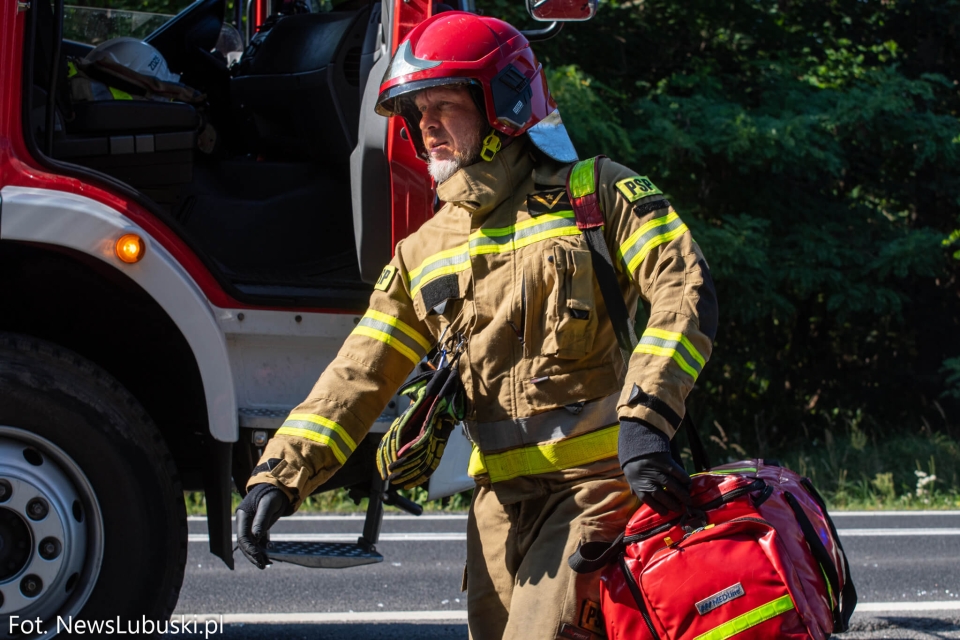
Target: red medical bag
757, 556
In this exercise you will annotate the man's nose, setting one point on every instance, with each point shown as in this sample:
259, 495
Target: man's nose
428, 120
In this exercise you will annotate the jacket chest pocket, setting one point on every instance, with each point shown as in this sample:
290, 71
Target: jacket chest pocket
440, 303
566, 313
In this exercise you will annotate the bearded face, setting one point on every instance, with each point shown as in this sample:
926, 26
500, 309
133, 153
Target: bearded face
452, 128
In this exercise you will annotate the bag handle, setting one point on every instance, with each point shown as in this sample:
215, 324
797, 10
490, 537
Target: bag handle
582, 184
593, 556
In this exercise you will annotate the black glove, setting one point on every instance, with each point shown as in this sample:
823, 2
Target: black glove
651, 471
260, 510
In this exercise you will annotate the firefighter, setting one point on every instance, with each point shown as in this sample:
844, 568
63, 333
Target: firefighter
567, 439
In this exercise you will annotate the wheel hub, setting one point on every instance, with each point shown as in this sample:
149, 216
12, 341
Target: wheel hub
14, 544
51, 540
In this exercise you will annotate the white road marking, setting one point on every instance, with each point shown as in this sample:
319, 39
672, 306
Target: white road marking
460, 616
346, 537
357, 517
890, 607
350, 616
460, 536
875, 514
942, 531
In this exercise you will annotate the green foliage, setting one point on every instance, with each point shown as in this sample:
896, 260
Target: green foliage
814, 150
951, 367
953, 239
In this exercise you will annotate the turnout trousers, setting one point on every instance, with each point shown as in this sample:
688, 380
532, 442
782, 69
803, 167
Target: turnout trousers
519, 585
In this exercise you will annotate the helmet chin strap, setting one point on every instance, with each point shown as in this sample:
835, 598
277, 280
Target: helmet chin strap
491, 145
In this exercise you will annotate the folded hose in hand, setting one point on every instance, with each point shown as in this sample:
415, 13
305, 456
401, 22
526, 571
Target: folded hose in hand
410, 451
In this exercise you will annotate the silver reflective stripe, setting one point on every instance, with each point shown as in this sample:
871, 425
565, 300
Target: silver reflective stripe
556, 424
639, 247
427, 269
478, 239
322, 430
394, 332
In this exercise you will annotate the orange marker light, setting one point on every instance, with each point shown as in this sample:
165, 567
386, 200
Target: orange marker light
130, 248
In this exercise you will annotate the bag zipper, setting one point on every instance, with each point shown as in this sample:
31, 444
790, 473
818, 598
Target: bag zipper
638, 597
713, 504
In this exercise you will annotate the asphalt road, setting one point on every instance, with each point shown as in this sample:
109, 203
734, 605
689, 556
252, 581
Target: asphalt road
906, 568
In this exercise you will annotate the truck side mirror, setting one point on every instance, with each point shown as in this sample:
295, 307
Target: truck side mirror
562, 10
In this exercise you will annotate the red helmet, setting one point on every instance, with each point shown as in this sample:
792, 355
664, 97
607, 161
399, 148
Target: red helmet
486, 54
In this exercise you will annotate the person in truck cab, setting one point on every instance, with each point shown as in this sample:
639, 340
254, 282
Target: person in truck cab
566, 442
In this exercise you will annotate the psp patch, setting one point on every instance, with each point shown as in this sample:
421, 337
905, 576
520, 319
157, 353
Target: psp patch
385, 278
637, 187
548, 201
591, 617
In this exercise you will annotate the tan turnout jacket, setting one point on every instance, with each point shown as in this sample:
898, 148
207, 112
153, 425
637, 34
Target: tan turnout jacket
503, 263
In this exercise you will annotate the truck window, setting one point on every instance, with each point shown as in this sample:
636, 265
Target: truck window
100, 20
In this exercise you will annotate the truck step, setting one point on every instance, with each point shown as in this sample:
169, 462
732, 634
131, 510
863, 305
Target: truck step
323, 555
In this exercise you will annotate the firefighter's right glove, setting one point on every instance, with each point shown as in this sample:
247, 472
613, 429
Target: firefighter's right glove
259, 510
651, 471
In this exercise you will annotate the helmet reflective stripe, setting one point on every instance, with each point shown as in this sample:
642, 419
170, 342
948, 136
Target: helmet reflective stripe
405, 63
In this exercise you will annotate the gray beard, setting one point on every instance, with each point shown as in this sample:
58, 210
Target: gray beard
443, 170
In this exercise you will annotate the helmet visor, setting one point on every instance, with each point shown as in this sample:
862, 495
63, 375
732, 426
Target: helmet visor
389, 102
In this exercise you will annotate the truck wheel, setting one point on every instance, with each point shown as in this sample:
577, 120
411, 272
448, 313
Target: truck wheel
92, 517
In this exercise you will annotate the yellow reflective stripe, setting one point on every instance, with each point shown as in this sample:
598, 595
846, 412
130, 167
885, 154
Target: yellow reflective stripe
316, 437
750, 619
449, 253
476, 467
515, 244
677, 337
325, 432
399, 324
526, 224
826, 581
649, 236
486, 241
666, 353
439, 264
546, 457
119, 95
71, 69
669, 344
581, 178
387, 339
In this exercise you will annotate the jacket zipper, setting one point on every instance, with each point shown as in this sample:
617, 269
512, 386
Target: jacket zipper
523, 308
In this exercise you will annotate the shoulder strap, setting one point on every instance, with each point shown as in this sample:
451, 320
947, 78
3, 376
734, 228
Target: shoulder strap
582, 190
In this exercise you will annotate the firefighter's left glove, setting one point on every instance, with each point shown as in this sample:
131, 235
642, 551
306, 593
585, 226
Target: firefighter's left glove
259, 510
651, 471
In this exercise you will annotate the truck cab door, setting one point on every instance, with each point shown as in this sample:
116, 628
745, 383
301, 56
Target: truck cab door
392, 191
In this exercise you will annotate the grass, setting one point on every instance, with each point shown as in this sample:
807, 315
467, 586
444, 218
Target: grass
852, 470
339, 501
857, 471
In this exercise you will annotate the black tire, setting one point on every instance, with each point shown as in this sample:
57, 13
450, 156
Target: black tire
71, 402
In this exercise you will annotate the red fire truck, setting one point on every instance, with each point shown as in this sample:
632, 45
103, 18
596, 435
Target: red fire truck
174, 276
